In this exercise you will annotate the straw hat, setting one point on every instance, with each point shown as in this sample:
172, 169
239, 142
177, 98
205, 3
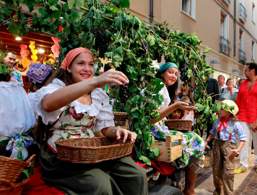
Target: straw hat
230, 106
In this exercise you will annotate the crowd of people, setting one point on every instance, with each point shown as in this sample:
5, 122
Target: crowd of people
235, 132
72, 104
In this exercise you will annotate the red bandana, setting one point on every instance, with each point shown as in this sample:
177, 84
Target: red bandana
71, 55
223, 123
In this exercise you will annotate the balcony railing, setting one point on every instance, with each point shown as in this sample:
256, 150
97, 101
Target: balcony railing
242, 56
227, 1
224, 46
242, 12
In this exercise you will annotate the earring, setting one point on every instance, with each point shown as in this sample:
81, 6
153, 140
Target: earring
69, 71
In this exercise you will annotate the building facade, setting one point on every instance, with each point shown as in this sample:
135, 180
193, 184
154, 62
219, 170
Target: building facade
227, 27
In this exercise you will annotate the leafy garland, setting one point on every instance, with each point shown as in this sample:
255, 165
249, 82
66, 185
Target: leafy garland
130, 44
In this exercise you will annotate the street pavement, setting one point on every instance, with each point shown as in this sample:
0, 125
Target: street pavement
244, 184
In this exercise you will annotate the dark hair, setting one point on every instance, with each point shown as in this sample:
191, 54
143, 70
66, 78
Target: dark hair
64, 76
239, 82
35, 86
252, 65
229, 79
221, 76
5, 73
172, 91
5, 77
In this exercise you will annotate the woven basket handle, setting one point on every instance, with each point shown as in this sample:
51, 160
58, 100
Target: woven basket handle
30, 160
7, 183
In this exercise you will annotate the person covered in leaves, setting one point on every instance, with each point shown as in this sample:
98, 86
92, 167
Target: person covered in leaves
193, 144
17, 117
73, 105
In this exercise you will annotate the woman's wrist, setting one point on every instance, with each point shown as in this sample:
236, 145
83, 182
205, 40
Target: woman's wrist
109, 132
93, 83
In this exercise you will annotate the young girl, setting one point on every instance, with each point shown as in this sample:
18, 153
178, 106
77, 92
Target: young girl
74, 105
226, 133
193, 143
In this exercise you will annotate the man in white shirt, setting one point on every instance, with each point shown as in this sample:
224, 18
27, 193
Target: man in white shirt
221, 82
10, 60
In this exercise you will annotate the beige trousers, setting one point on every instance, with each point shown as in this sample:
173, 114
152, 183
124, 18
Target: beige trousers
223, 176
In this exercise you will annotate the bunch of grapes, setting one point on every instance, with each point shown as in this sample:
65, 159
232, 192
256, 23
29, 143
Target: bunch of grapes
183, 71
124, 94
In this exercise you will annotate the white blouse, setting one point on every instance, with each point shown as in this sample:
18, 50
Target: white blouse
16, 114
100, 106
166, 97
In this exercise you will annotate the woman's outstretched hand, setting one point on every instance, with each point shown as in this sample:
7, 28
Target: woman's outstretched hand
183, 105
120, 134
112, 77
124, 135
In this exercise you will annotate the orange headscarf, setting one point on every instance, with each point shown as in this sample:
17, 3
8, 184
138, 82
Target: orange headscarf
71, 55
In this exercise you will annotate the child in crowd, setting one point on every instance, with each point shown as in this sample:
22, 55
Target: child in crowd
226, 132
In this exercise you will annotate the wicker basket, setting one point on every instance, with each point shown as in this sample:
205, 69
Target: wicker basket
10, 169
179, 124
7, 188
91, 150
121, 119
171, 149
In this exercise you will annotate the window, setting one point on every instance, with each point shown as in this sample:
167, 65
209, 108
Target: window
253, 13
188, 6
224, 34
254, 50
227, 1
242, 11
224, 26
241, 40
242, 54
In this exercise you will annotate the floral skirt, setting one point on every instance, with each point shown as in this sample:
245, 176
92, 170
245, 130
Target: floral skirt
193, 147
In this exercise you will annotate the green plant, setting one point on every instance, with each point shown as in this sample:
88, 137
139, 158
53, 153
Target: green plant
131, 45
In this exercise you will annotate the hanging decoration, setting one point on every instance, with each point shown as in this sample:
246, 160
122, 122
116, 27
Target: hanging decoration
55, 47
24, 53
33, 51
50, 59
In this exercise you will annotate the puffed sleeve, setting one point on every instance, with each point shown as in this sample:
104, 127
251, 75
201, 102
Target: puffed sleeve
36, 99
105, 117
240, 131
166, 98
15, 110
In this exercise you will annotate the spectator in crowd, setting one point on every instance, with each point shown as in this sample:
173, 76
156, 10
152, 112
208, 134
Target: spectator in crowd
230, 92
247, 103
10, 60
239, 82
221, 82
213, 89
